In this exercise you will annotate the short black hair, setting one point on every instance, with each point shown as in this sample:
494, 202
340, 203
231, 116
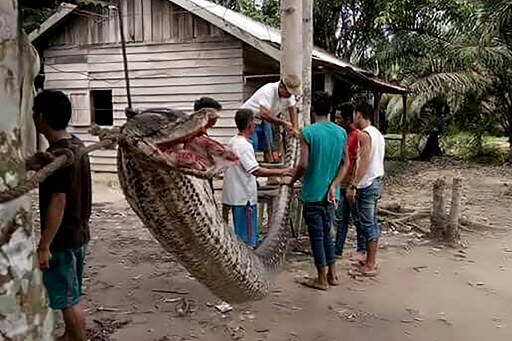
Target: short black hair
321, 103
54, 107
347, 111
207, 102
242, 118
366, 110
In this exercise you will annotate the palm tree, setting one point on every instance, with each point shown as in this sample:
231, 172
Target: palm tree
446, 57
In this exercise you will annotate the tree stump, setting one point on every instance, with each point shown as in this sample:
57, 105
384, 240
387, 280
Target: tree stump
452, 234
438, 216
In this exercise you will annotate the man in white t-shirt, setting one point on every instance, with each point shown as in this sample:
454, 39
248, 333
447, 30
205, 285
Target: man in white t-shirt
239, 191
266, 104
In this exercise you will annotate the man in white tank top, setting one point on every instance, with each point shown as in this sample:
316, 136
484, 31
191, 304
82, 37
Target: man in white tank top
365, 187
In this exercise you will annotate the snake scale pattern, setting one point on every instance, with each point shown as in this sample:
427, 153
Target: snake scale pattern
180, 212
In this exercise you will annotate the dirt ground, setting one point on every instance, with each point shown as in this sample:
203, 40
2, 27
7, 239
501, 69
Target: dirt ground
424, 292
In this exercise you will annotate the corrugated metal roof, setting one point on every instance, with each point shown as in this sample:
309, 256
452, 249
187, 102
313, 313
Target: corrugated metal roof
265, 32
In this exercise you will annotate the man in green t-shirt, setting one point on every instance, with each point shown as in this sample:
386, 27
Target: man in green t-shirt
323, 147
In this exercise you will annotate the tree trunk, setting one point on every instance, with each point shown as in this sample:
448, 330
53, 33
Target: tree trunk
438, 217
432, 147
452, 235
510, 146
24, 314
307, 18
291, 38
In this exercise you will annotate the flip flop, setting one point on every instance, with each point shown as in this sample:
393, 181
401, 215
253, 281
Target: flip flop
311, 283
360, 271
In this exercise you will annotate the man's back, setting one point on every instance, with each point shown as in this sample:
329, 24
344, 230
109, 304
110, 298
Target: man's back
239, 183
75, 182
326, 141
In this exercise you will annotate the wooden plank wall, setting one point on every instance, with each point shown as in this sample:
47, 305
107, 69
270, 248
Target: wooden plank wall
145, 21
193, 61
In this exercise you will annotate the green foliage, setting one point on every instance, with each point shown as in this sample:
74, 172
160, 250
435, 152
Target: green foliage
265, 11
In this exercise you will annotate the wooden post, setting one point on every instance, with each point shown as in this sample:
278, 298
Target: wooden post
376, 109
452, 234
307, 44
291, 38
403, 124
438, 216
24, 314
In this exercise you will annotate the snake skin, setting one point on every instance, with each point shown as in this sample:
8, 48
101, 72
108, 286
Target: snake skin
180, 212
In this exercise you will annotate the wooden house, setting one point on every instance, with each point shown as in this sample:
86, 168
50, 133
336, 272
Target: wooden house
178, 51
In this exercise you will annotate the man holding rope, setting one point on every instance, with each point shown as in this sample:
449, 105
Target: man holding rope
65, 208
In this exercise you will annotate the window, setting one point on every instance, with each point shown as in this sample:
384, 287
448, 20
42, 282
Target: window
102, 109
80, 116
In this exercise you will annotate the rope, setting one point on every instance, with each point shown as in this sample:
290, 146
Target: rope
63, 158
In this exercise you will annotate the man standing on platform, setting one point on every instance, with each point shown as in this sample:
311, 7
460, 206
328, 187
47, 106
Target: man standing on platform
266, 103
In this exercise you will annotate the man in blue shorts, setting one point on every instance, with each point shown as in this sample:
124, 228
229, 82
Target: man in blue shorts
65, 208
239, 191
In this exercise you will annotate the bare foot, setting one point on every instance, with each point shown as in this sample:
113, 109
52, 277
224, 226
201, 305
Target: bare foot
358, 257
313, 283
333, 280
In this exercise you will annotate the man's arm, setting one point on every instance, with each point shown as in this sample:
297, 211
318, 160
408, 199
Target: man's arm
303, 162
265, 172
292, 111
362, 166
52, 222
342, 169
267, 116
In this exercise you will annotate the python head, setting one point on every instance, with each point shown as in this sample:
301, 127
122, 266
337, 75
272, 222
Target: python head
176, 140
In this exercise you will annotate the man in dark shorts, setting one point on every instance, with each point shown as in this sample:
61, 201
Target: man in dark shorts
65, 208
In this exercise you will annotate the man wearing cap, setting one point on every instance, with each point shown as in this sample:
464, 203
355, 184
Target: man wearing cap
266, 103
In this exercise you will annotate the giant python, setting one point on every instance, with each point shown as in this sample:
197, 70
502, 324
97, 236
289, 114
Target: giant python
164, 159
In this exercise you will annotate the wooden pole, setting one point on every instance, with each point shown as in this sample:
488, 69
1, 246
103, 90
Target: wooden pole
291, 38
376, 109
438, 216
452, 235
122, 19
403, 123
307, 48
24, 313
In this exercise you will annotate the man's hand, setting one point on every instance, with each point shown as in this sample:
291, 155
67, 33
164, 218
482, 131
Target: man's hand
288, 171
291, 130
351, 195
287, 180
43, 256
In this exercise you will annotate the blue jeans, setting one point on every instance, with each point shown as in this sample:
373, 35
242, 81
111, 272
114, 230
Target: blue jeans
366, 208
259, 137
343, 212
318, 217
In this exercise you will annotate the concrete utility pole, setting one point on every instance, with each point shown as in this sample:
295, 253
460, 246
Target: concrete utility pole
24, 313
291, 40
307, 49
